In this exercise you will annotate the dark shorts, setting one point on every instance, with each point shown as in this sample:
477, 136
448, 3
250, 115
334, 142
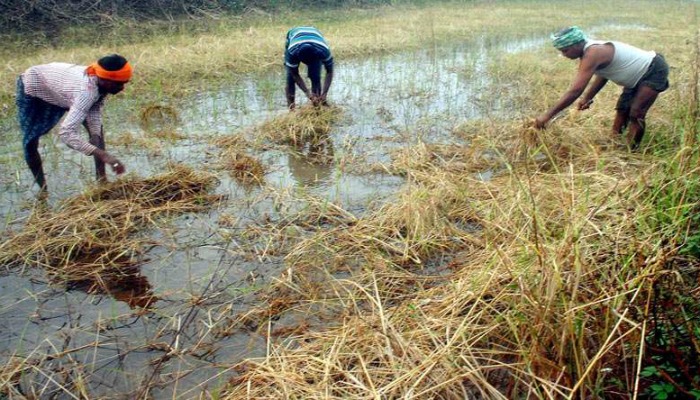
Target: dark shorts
656, 78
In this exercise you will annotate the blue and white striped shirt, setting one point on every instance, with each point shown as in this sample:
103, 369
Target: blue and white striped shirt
306, 35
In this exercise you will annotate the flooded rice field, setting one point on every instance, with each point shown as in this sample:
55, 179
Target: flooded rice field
164, 323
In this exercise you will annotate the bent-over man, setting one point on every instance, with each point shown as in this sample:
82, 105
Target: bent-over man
46, 92
642, 74
305, 44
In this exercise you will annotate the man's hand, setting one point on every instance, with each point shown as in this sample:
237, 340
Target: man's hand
315, 100
110, 160
584, 104
540, 122
118, 167
318, 100
114, 163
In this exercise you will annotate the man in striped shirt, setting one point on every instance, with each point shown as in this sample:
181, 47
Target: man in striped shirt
46, 92
305, 44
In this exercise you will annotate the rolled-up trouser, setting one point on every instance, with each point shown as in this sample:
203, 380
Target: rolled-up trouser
36, 117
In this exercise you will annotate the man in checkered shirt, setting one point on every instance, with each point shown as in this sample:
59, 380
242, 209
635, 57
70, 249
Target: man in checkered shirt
46, 92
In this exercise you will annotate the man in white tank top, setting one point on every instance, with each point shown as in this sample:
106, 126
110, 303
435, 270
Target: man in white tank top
642, 74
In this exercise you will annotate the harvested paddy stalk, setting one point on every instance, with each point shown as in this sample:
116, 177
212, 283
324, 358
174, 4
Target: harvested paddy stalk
167, 134
242, 167
129, 139
228, 141
158, 115
306, 125
160, 122
94, 234
438, 158
517, 142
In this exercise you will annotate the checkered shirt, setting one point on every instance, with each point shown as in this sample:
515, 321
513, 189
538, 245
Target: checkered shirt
69, 87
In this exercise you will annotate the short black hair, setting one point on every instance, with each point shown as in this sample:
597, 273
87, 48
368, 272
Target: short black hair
112, 62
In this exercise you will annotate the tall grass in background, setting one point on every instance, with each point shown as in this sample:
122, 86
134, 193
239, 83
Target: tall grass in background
185, 58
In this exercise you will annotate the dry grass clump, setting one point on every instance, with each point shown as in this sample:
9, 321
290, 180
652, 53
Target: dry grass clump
242, 167
306, 124
167, 134
93, 235
228, 141
160, 121
423, 221
574, 137
157, 115
407, 234
414, 350
306, 128
129, 139
442, 157
11, 373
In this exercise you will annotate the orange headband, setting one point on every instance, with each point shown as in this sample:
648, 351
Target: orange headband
122, 75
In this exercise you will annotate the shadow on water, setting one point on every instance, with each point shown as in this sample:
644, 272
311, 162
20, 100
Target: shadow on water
128, 286
212, 263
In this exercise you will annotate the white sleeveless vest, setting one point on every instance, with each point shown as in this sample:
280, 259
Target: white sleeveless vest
628, 65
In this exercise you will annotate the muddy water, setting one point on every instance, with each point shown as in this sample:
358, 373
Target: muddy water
388, 102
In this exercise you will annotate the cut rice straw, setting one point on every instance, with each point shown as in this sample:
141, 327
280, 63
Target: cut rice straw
94, 233
307, 124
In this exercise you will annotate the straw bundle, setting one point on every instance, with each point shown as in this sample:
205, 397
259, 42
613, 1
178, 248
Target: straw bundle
307, 124
93, 234
244, 168
158, 116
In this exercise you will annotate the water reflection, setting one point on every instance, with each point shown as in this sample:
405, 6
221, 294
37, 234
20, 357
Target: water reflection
311, 163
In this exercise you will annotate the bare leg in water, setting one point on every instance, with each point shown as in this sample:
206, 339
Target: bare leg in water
33, 159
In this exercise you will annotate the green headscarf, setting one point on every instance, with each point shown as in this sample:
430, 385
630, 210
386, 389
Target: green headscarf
568, 37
